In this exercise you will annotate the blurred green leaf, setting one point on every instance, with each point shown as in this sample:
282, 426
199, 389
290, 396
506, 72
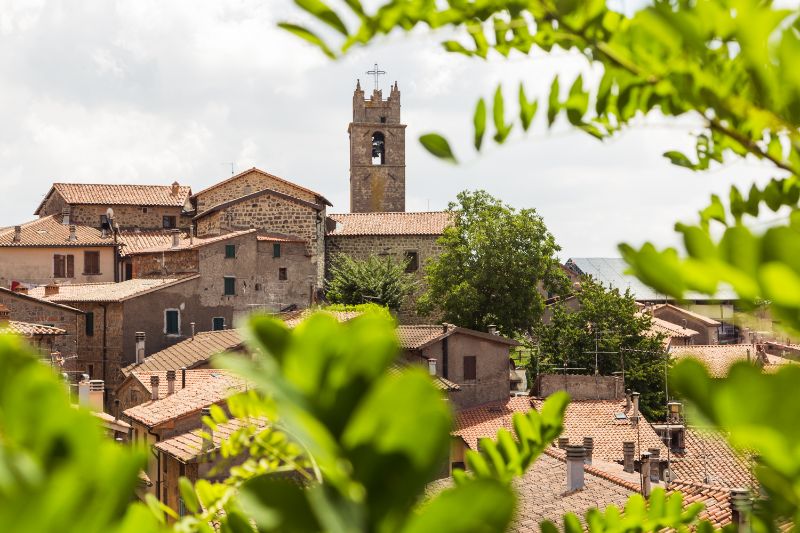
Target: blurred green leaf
438, 146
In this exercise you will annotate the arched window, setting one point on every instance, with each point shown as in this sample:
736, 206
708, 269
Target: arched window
378, 149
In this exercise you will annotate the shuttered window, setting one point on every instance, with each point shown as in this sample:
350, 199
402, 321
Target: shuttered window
89, 324
218, 323
283, 274
172, 322
470, 368
70, 266
276, 249
59, 266
230, 251
230, 286
91, 263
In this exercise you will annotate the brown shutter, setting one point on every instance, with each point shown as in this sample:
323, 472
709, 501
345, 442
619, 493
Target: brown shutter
70, 266
91, 262
470, 370
58, 266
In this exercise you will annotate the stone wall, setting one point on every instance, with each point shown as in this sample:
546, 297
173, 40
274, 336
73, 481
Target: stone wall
164, 264
580, 387
27, 309
707, 334
394, 246
127, 216
245, 184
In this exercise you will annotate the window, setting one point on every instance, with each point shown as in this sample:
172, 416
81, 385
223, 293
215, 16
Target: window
230, 286
63, 266
282, 274
276, 249
90, 371
172, 322
230, 251
89, 324
412, 261
169, 222
104, 222
378, 149
383, 120
470, 368
144, 209
128, 271
91, 263
217, 323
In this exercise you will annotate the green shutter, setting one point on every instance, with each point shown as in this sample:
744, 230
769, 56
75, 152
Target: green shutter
230, 251
276, 249
172, 322
230, 286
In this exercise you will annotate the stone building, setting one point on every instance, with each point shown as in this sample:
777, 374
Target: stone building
134, 206
377, 153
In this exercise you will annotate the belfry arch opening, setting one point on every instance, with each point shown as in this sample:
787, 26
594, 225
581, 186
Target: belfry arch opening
378, 149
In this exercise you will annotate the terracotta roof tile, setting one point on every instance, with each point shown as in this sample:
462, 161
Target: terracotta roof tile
49, 231
27, 329
440, 382
277, 237
485, 420
162, 241
718, 358
189, 352
415, 337
254, 169
113, 194
670, 330
717, 501
108, 291
193, 377
709, 459
216, 388
422, 223
697, 316
187, 447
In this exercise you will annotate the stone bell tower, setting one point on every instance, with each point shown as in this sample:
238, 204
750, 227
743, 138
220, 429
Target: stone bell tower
377, 152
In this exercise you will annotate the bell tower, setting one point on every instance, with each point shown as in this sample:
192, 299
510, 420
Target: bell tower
377, 151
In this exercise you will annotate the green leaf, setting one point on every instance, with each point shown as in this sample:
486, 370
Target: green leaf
309, 36
553, 106
677, 158
498, 114
527, 110
456, 47
479, 122
189, 496
438, 146
320, 9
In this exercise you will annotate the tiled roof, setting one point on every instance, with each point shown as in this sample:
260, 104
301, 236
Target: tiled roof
109, 291
422, 223
293, 318
187, 447
49, 231
193, 377
112, 194
262, 192
27, 329
596, 419
718, 358
13, 294
717, 501
254, 169
440, 382
697, 316
189, 352
670, 330
216, 388
164, 244
416, 337
484, 420
709, 459
277, 237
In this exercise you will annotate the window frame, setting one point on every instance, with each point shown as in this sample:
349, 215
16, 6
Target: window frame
89, 324
173, 221
86, 262
283, 274
474, 365
214, 323
166, 322
225, 282
413, 264
276, 250
230, 251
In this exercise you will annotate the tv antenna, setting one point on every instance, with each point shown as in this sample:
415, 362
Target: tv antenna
232, 163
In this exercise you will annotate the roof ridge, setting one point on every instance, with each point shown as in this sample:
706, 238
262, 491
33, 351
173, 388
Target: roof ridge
265, 173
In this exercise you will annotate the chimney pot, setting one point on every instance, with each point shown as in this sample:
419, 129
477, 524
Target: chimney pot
176, 187
17, 233
5, 314
191, 324
73, 233
97, 389
655, 474
627, 399
154, 387
588, 447
183, 377
645, 473
635, 402
432, 366
170, 381
50, 289
492, 329
575, 458
628, 451
563, 442
741, 507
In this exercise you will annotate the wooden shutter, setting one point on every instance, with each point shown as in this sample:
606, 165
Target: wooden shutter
58, 266
70, 266
470, 368
91, 262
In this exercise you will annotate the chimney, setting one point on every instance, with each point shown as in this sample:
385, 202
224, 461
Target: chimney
65, 215
493, 329
176, 238
655, 476
208, 443
741, 507
635, 402
191, 324
628, 450
116, 409
176, 188
645, 473
563, 442
575, 458
73, 233
183, 377
191, 234
96, 395
432, 366
170, 382
154, 387
50, 289
588, 448
140, 340
17, 233
5, 314
83, 390
21, 289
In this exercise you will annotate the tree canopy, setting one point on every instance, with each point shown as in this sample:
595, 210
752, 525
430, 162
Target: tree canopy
494, 265
379, 280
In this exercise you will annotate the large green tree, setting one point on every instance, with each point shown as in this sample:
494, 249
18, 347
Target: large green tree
378, 280
495, 263
609, 322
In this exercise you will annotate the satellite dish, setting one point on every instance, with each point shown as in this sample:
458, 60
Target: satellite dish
109, 213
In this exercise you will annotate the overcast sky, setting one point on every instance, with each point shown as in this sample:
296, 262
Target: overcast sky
146, 91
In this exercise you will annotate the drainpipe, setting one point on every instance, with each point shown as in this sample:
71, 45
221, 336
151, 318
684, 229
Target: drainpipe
105, 336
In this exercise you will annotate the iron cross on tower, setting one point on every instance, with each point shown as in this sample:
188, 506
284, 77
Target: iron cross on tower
376, 72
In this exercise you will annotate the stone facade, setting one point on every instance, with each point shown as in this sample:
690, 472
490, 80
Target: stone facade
248, 182
274, 214
580, 387
164, 264
394, 246
377, 153
126, 216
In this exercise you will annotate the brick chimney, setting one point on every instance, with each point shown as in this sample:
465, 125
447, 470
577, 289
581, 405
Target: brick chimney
140, 345
17, 233
627, 399
176, 188
50, 289
183, 377
65, 212
73, 233
635, 405
154, 387
741, 507
563, 442
176, 238
588, 448
645, 473
5, 314
575, 457
628, 451
655, 476
170, 382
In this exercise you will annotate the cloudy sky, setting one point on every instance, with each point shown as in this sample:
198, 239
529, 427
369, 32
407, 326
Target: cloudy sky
146, 91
